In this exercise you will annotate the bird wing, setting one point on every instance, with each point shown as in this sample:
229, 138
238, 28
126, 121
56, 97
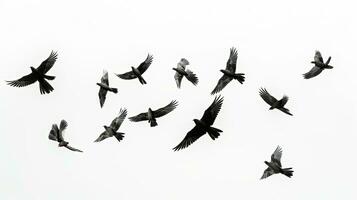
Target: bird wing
105, 79
47, 64
63, 125
190, 138
268, 172
284, 100
222, 82
232, 60
266, 96
165, 110
318, 58
119, 120
128, 75
139, 117
23, 81
212, 111
102, 95
313, 72
102, 136
178, 79
276, 156
53, 133
72, 148
145, 65
191, 77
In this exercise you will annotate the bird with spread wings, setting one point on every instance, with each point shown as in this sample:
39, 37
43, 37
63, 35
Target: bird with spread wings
111, 130
319, 66
273, 102
138, 72
274, 166
56, 134
181, 72
104, 88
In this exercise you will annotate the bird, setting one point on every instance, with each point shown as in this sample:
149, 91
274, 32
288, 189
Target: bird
138, 72
273, 102
204, 125
319, 66
104, 88
38, 74
181, 72
111, 130
274, 166
56, 134
229, 73
151, 115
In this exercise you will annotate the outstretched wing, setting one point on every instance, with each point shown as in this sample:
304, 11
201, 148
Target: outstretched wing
178, 78
139, 117
181, 66
63, 125
48, 63
268, 172
191, 77
145, 65
119, 120
284, 100
318, 58
165, 110
313, 72
102, 91
266, 96
222, 82
190, 138
73, 149
276, 156
54, 133
212, 111
105, 80
127, 75
23, 81
232, 60
102, 136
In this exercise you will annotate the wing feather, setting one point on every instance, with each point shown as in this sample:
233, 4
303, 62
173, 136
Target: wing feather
190, 138
119, 120
165, 110
266, 96
47, 64
212, 111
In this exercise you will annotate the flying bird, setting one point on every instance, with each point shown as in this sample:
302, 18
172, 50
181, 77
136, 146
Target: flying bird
273, 102
151, 115
181, 72
38, 74
111, 130
56, 134
274, 166
104, 88
138, 72
204, 125
229, 73
319, 66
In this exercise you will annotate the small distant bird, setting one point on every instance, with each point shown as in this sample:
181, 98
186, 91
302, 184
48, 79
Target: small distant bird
111, 130
273, 102
56, 134
203, 126
274, 166
229, 73
319, 66
104, 88
181, 72
151, 115
137, 72
38, 74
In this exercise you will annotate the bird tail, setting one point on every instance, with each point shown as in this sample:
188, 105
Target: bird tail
153, 122
119, 136
287, 172
45, 87
285, 110
239, 77
114, 90
142, 80
214, 132
49, 77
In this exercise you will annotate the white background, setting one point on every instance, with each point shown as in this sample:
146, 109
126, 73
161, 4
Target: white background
276, 41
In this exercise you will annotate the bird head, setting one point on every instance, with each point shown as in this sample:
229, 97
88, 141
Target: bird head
196, 121
32, 68
184, 62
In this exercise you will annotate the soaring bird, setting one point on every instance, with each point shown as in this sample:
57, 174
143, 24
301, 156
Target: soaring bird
38, 74
204, 125
229, 73
319, 66
104, 88
181, 72
274, 166
273, 102
111, 130
137, 72
56, 134
151, 115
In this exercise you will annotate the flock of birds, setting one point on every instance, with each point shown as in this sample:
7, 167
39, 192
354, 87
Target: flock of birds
202, 126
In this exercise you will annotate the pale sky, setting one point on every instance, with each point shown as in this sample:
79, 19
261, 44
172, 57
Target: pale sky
276, 41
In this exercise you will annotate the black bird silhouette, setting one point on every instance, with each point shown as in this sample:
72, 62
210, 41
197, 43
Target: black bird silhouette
229, 73
319, 66
204, 125
104, 88
181, 72
274, 166
273, 102
111, 130
137, 72
151, 115
56, 134
38, 74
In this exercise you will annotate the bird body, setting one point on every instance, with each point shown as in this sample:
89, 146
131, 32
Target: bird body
274, 166
111, 130
182, 72
137, 72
